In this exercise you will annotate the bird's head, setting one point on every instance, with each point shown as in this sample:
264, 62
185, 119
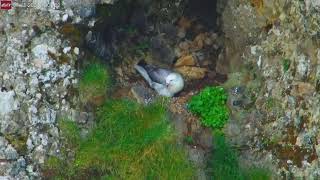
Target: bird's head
174, 82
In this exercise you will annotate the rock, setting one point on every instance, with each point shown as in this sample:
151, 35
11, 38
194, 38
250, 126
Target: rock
41, 4
76, 51
302, 89
142, 94
312, 4
108, 1
181, 33
199, 42
3, 142
206, 138
162, 51
32, 86
41, 56
303, 67
11, 153
96, 42
66, 50
65, 17
222, 65
185, 45
7, 102
169, 30
192, 72
197, 156
186, 61
184, 23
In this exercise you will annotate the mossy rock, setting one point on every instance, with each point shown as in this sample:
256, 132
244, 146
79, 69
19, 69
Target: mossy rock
19, 142
73, 33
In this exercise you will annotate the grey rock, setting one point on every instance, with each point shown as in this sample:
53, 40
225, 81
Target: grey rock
197, 156
3, 142
10, 153
169, 29
108, 1
161, 51
17, 167
206, 138
7, 102
142, 94
303, 67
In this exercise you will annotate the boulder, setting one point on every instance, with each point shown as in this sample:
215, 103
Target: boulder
192, 72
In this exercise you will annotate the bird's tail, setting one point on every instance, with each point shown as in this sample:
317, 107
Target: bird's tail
143, 72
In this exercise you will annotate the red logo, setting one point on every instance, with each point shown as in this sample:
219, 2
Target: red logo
6, 4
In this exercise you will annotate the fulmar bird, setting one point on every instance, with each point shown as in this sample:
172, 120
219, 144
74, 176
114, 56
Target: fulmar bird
164, 81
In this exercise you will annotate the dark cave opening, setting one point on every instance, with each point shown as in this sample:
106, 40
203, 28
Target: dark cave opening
203, 11
115, 21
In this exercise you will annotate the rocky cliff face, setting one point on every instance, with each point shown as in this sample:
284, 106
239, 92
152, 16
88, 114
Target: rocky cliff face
281, 58
271, 53
37, 75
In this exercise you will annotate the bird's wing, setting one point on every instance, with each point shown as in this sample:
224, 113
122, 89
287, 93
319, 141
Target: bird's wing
158, 75
161, 89
144, 74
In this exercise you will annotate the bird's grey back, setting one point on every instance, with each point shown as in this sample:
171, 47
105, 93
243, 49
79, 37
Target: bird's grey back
157, 74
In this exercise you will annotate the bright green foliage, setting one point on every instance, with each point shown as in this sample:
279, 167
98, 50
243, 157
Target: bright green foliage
94, 81
286, 65
225, 164
129, 141
210, 105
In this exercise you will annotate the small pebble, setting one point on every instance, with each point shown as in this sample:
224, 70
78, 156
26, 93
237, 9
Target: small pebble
66, 50
76, 51
65, 17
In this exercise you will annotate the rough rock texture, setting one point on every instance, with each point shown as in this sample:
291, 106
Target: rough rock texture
280, 125
35, 89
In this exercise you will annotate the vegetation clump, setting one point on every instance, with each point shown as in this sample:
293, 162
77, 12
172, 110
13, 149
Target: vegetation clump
285, 65
129, 141
94, 82
210, 105
225, 163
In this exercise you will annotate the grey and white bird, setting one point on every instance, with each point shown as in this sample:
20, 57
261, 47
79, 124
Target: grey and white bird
166, 82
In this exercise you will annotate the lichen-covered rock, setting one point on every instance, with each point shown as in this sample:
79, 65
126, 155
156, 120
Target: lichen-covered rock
7, 102
280, 53
33, 84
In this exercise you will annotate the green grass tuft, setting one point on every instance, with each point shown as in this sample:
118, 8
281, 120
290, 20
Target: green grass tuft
225, 164
224, 161
257, 174
210, 105
285, 65
70, 132
129, 141
94, 82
